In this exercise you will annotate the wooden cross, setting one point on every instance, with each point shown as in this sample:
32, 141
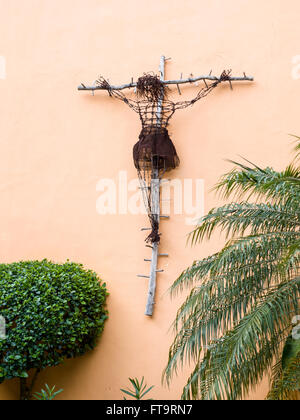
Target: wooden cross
155, 178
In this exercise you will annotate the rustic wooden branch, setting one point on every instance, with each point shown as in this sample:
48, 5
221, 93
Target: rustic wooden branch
170, 82
155, 196
154, 257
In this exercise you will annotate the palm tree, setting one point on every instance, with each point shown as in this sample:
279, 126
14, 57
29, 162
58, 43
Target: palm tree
236, 324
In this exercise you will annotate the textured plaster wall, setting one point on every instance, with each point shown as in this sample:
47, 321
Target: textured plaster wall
56, 144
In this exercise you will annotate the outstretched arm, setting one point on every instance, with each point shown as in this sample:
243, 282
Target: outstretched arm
225, 76
117, 94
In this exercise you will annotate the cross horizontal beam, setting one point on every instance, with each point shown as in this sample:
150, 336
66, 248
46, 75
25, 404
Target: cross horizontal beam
170, 82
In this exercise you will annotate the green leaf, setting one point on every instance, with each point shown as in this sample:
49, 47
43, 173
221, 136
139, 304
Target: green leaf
139, 388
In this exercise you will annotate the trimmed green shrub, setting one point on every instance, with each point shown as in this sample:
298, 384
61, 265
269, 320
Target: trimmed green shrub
52, 312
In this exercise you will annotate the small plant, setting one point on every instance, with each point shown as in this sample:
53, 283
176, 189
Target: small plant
47, 394
53, 312
139, 389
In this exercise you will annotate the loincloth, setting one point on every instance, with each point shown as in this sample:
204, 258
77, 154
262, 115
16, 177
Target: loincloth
155, 150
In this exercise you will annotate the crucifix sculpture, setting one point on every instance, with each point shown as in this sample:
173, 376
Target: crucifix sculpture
155, 153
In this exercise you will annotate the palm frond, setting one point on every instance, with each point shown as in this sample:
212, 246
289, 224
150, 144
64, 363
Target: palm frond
237, 260
286, 373
235, 218
237, 361
296, 148
247, 181
238, 313
275, 308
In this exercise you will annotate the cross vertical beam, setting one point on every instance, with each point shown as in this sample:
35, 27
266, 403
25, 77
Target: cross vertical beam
155, 206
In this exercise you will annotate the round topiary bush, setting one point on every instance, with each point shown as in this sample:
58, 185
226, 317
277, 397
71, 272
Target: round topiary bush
52, 312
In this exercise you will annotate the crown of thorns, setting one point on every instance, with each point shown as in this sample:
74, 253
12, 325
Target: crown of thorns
150, 86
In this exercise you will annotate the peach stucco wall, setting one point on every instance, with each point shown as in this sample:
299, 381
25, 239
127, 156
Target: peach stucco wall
57, 143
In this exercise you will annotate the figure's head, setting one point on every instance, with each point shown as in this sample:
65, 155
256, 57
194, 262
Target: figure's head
150, 87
